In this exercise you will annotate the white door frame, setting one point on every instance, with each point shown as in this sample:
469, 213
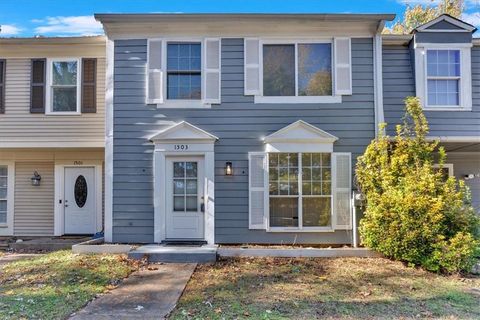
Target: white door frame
59, 208
183, 139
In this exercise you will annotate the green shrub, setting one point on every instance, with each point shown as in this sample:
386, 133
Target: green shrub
413, 213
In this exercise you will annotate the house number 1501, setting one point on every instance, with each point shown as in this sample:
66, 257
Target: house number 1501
181, 147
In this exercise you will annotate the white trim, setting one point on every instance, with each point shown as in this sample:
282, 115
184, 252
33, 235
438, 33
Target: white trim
200, 143
53, 144
261, 98
297, 99
297, 132
48, 91
466, 27
378, 78
6, 229
449, 166
473, 139
109, 83
59, 208
465, 79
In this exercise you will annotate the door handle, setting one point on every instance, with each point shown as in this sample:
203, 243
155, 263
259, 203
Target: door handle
202, 205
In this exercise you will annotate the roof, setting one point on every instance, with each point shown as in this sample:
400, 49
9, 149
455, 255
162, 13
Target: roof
125, 17
448, 18
54, 40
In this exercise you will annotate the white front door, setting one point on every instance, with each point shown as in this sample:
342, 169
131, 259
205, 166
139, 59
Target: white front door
185, 198
80, 200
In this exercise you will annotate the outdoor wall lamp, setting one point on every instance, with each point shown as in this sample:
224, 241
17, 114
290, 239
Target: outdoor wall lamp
228, 169
36, 179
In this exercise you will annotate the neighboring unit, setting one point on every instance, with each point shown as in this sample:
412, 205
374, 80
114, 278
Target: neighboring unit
439, 63
52, 93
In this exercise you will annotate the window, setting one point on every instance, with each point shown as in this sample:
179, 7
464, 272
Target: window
300, 188
64, 86
184, 75
298, 69
446, 169
443, 77
3, 194
185, 186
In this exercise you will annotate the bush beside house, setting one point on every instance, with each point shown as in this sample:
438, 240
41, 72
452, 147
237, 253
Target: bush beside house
413, 212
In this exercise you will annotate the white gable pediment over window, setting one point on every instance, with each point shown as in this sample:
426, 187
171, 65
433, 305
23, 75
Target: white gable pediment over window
300, 136
183, 131
446, 23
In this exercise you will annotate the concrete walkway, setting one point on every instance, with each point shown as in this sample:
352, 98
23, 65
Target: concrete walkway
147, 294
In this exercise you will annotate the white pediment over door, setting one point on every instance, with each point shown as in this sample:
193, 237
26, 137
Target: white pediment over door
183, 131
300, 136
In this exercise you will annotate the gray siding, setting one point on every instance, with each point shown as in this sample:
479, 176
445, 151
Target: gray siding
463, 164
239, 124
399, 83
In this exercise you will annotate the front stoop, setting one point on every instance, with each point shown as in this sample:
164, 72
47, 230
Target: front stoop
175, 254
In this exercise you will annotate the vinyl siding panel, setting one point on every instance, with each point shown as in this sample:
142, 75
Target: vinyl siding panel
463, 164
33, 214
239, 124
399, 83
19, 125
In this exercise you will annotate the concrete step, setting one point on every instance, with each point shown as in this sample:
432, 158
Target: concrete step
175, 254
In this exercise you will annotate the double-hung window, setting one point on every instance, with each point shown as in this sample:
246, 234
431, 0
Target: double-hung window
184, 71
297, 69
443, 78
300, 190
63, 93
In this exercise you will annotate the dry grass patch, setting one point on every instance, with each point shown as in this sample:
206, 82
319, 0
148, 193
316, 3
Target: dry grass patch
345, 288
56, 284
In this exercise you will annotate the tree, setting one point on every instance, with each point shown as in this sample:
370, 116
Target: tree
412, 213
417, 15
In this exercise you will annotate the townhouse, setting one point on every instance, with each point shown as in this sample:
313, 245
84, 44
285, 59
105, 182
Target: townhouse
221, 128
52, 93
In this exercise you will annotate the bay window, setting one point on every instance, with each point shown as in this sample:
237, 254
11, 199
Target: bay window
300, 190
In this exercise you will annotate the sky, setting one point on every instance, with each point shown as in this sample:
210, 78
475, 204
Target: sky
26, 18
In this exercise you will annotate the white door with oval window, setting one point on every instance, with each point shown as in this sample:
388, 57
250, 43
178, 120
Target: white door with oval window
80, 200
185, 198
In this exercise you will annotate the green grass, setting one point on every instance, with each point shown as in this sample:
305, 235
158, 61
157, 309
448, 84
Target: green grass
56, 284
344, 288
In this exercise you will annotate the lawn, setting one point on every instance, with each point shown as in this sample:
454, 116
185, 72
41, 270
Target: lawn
344, 288
56, 284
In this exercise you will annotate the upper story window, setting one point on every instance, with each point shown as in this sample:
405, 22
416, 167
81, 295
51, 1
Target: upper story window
443, 77
184, 71
63, 90
299, 69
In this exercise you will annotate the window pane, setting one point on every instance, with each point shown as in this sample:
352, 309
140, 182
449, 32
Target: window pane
64, 99
179, 186
192, 203
184, 86
3, 171
3, 182
191, 169
3, 217
443, 92
443, 63
283, 212
317, 212
3, 193
179, 169
279, 70
192, 186
179, 203
184, 57
315, 69
64, 73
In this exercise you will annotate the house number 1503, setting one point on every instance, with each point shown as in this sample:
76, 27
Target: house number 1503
181, 147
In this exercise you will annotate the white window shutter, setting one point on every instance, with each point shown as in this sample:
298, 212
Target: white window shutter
343, 66
258, 190
342, 189
154, 72
252, 66
211, 70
